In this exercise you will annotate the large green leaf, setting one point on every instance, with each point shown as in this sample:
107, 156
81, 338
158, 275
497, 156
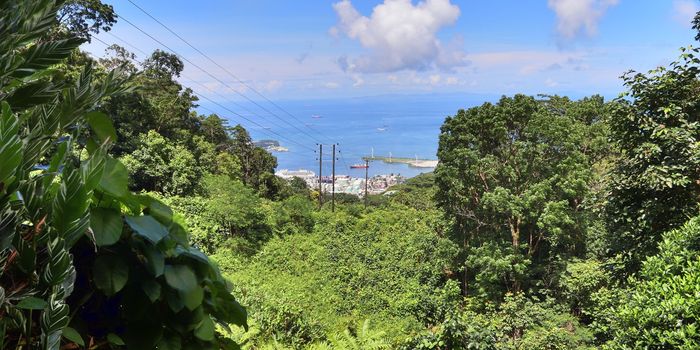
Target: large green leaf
70, 207
93, 168
115, 339
155, 261
53, 320
102, 126
73, 335
106, 225
32, 303
157, 209
10, 144
110, 274
148, 227
180, 277
45, 54
205, 331
193, 297
152, 289
115, 178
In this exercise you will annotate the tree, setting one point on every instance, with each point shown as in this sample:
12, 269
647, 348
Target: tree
82, 18
163, 65
119, 57
514, 177
159, 165
214, 129
654, 184
236, 208
257, 165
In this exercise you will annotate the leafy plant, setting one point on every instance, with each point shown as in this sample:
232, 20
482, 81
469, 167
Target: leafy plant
661, 310
83, 261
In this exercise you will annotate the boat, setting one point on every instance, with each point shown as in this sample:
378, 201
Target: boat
359, 166
316, 116
381, 129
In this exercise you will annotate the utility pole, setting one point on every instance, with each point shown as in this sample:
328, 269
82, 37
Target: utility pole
320, 179
366, 181
333, 182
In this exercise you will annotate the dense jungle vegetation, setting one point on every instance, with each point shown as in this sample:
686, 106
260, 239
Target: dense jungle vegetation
128, 220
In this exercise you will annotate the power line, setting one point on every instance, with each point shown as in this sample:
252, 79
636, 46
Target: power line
187, 60
202, 69
227, 71
128, 44
265, 130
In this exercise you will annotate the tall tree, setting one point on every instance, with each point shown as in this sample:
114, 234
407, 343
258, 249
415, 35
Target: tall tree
257, 165
514, 178
83, 18
655, 184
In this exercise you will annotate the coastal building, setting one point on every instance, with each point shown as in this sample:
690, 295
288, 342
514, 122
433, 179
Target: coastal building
343, 183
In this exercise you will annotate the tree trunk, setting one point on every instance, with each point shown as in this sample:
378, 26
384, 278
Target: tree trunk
515, 236
515, 231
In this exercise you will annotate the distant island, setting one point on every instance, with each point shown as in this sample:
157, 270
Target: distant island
270, 146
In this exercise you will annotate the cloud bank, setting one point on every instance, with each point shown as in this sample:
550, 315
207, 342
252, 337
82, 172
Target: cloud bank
577, 17
400, 36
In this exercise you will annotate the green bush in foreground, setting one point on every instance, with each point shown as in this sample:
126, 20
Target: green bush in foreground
663, 307
83, 261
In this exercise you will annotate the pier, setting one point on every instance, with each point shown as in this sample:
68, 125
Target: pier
412, 162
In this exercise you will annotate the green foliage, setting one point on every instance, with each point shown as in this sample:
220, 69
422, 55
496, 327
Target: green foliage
158, 165
654, 186
256, 164
364, 337
82, 257
517, 174
662, 308
388, 266
82, 18
293, 215
517, 323
579, 282
417, 192
236, 208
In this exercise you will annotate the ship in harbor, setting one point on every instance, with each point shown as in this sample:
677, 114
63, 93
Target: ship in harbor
359, 166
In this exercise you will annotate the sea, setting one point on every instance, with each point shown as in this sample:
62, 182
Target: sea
406, 126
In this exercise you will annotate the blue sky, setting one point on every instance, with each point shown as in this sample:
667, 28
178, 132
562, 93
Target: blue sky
334, 49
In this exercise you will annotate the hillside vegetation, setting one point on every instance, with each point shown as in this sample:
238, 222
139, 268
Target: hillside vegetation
129, 220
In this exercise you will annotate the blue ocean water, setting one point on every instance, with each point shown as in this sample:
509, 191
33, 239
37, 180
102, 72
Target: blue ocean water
397, 125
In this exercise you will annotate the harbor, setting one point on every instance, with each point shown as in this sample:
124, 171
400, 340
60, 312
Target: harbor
412, 162
377, 184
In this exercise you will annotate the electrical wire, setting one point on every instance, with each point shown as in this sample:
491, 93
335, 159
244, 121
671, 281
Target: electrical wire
264, 129
228, 72
183, 58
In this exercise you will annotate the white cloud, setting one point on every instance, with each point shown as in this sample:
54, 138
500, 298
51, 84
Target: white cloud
273, 85
684, 11
528, 62
575, 17
452, 81
435, 79
358, 81
400, 35
331, 85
